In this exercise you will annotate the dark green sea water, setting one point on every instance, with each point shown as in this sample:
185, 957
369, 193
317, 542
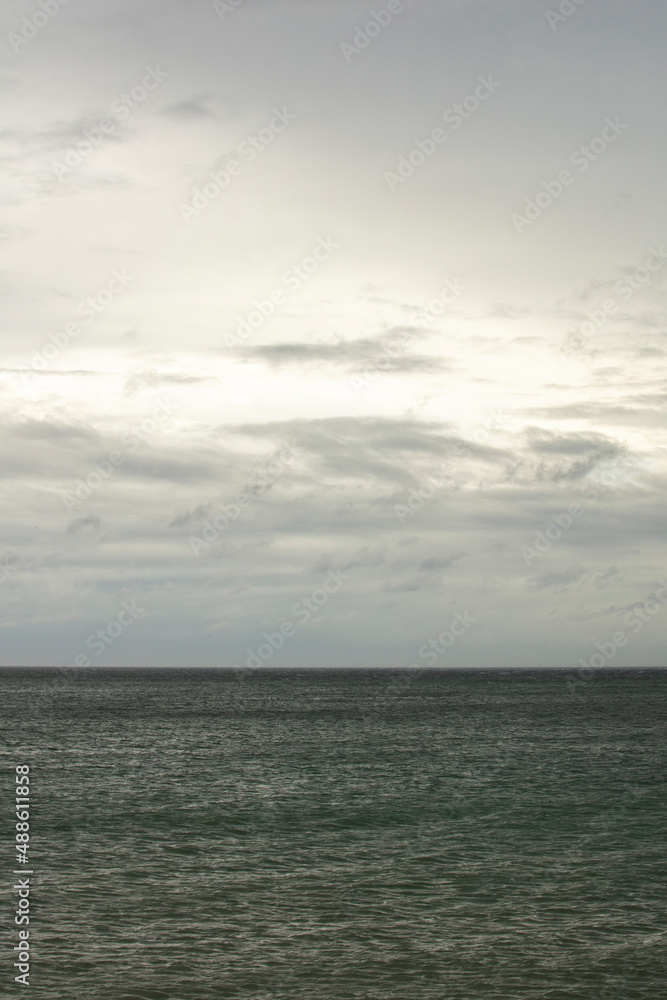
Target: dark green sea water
340, 836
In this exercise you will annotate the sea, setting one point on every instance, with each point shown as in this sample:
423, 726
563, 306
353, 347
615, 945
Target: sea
338, 835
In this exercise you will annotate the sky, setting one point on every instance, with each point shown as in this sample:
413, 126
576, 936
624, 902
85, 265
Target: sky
333, 334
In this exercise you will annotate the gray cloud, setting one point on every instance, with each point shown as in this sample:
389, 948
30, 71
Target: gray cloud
81, 523
557, 580
383, 353
151, 379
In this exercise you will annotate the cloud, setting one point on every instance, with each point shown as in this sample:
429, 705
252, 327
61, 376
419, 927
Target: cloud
81, 523
46, 430
192, 108
587, 451
383, 353
151, 379
557, 580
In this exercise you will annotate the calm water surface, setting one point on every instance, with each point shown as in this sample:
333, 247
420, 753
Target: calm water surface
340, 836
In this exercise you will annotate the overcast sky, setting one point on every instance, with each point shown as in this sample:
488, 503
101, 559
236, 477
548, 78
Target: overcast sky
434, 259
